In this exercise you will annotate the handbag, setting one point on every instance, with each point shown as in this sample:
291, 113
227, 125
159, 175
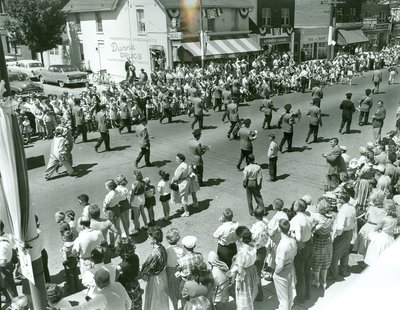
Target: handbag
174, 186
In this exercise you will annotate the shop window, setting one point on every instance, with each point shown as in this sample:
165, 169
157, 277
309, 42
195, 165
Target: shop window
211, 24
307, 51
322, 50
78, 23
266, 17
285, 16
81, 51
141, 27
99, 22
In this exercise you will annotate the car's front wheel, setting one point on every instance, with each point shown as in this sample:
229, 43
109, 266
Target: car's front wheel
41, 79
61, 84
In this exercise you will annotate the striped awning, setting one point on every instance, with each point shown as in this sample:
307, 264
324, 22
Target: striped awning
351, 37
223, 47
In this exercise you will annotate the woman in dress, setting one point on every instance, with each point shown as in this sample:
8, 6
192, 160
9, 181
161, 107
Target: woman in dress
137, 201
322, 248
374, 215
111, 209
174, 253
128, 271
274, 235
124, 205
383, 235
153, 272
221, 280
181, 178
244, 271
165, 193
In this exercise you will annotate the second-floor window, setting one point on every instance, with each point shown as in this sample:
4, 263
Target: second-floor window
353, 14
266, 17
78, 23
141, 27
99, 22
81, 51
285, 16
339, 15
382, 17
211, 24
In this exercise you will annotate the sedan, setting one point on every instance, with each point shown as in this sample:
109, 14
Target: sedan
20, 84
29, 67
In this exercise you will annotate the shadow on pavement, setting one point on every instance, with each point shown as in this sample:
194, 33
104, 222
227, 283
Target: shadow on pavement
83, 169
264, 166
213, 182
178, 121
160, 163
353, 131
324, 115
323, 139
209, 127
120, 148
300, 149
203, 205
282, 176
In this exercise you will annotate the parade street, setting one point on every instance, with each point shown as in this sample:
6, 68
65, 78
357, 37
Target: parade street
302, 171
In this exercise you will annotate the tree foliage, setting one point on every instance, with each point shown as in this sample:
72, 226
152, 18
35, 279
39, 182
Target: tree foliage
39, 24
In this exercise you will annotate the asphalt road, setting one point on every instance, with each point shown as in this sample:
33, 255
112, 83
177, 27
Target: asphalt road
299, 172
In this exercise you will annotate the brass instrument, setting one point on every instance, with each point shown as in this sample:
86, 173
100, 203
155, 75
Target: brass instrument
295, 117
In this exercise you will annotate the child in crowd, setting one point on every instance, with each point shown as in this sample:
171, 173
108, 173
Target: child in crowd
48, 124
70, 263
26, 129
70, 219
60, 219
165, 193
149, 199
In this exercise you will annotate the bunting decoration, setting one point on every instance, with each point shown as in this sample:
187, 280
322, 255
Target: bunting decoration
244, 12
173, 13
212, 13
289, 30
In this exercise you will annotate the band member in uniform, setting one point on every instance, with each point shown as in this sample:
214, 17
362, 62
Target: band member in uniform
233, 116
252, 182
125, 114
317, 94
79, 121
267, 107
197, 150
144, 143
198, 105
272, 158
226, 99
315, 121
246, 147
347, 107
286, 123
102, 125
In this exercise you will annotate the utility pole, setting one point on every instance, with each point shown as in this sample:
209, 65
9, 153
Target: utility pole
203, 44
332, 29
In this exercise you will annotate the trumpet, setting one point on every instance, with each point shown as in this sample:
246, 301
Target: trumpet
295, 117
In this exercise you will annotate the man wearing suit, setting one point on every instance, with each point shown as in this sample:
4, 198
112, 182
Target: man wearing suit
377, 120
317, 94
233, 116
347, 107
315, 121
125, 115
144, 143
376, 79
334, 159
286, 124
246, 147
197, 150
102, 125
79, 121
198, 105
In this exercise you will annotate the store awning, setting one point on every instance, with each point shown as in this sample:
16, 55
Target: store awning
223, 47
346, 37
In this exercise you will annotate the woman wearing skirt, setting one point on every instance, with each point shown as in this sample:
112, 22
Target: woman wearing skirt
244, 271
153, 272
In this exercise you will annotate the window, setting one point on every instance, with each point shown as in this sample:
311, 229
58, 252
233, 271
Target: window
81, 52
211, 24
141, 27
54, 51
285, 16
266, 17
339, 15
78, 23
369, 14
353, 14
382, 17
99, 22
322, 50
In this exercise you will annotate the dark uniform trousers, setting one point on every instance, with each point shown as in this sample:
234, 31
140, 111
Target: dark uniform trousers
125, 122
244, 154
345, 121
199, 170
166, 113
287, 136
272, 167
233, 124
144, 151
313, 129
81, 129
104, 136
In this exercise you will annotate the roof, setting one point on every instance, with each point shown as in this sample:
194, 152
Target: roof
173, 4
79, 6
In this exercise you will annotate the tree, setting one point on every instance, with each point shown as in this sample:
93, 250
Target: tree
39, 24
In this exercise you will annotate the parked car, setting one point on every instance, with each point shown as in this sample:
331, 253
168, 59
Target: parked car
10, 60
20, 84
62, 75
28, 67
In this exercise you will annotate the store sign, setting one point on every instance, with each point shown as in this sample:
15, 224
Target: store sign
274, 41
316, 38
369, 23
126, 50
175, 35
382, 27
